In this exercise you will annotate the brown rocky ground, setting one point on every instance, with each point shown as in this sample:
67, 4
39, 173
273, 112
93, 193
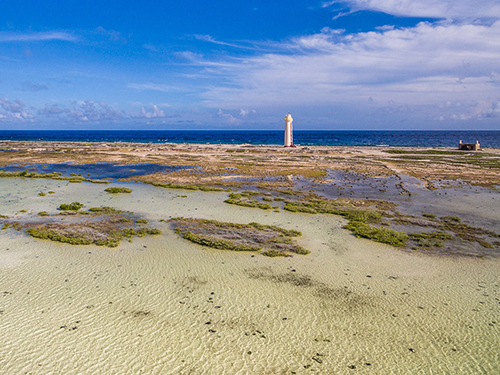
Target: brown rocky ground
268, 166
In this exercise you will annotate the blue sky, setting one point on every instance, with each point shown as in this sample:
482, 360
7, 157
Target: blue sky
339, 65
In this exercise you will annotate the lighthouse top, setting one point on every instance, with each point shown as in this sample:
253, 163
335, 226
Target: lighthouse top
288, 117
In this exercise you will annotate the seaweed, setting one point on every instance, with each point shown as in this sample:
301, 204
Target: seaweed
118, 190
107, 232
74, 206
217, 243
239, 237
52, 176
105, 210
430, 240
187, 186
244, 200
383, 235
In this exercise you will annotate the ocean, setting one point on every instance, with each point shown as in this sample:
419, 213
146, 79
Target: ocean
487, 139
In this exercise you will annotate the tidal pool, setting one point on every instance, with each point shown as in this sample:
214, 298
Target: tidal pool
96, 170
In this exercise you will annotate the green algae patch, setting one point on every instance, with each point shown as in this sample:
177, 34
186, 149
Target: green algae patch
245, 199
101, 226
377, 234
74, 206
187, 186
105, 232
52, 176
105, 210
430, 240
118, 190
352, 209
272, 240
217, 243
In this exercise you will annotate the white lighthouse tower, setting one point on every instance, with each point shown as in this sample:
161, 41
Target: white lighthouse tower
288, 131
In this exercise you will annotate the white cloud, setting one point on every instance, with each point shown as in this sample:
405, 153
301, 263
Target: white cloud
52, 110
454, 9
151, 112
90, 111
13, 110
210, 39
492, 112
246, 112
37, 37
229, 118
425, 65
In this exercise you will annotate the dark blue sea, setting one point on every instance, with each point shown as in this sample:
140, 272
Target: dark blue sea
490, 139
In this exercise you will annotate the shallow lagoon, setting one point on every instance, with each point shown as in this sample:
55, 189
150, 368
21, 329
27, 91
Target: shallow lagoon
103, 170
163, 305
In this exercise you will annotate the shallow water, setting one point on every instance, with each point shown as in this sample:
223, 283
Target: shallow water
475, 205
96, 170
144, 307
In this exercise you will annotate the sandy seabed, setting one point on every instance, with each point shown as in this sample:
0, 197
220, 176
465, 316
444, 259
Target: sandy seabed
162, 305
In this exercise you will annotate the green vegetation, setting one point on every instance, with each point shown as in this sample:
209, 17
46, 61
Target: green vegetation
74, 206
217, 243
42, 194
52, 176
239, 237
428, 215
466, 232
274, 253
383, 235
118, 190
451, 219
243, 199
16, 225
187, 187
343, 207
107, 232
141, 221
425, 152
105, 210
359, 218
43, 213
430, 240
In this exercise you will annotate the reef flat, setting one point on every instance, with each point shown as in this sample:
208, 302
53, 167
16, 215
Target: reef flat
374, 265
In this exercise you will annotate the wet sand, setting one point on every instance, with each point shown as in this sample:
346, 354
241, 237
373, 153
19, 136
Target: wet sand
162, 305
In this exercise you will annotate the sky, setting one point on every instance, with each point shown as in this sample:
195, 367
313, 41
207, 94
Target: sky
227, 65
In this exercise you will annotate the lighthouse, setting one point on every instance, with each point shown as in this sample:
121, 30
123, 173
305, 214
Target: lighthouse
288, 131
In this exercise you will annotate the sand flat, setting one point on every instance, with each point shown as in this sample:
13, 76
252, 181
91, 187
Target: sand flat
163, 305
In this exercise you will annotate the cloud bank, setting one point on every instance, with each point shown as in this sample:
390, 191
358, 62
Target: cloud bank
423, 66
449, 9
